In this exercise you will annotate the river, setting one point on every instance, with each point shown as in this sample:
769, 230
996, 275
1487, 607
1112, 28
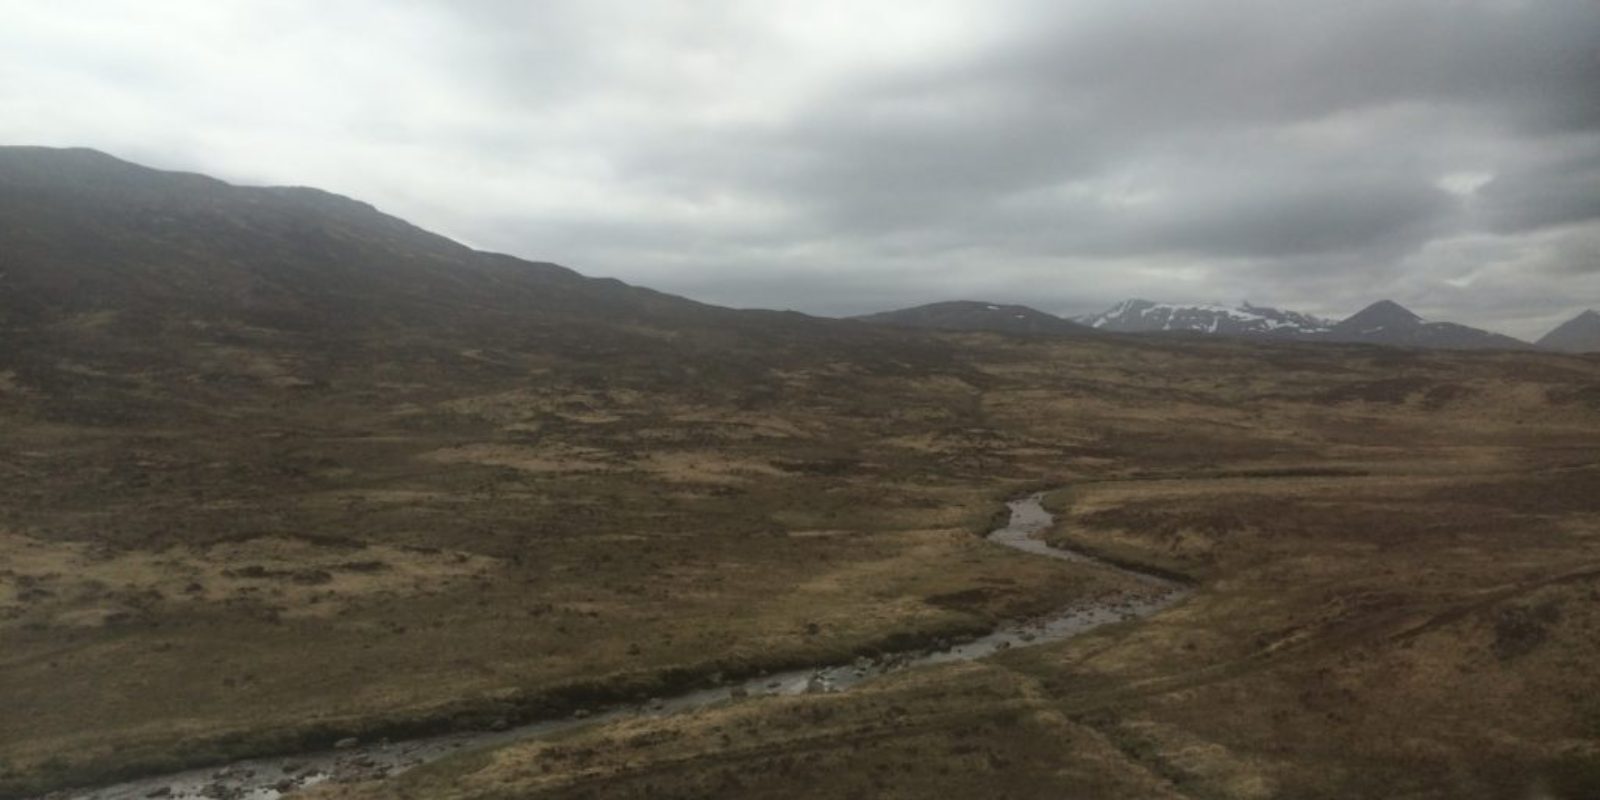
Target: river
270, 778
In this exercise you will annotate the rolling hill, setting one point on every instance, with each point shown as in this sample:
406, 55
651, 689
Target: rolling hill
971, 315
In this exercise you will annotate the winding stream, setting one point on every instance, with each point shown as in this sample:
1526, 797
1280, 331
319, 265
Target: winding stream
270, 778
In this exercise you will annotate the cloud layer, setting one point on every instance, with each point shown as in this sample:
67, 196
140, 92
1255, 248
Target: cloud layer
836, 158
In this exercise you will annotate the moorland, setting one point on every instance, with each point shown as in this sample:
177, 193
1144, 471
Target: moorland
280, 470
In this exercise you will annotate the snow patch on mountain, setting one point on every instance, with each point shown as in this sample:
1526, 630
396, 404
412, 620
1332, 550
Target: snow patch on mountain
1141, 316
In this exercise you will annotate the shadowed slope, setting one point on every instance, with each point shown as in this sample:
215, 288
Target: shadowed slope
1387, 322
1581, 334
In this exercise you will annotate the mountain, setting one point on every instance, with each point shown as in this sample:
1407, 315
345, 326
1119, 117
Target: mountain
1581, 334
1387, 322
135, 294
1383, 322
144, 249
971, 315
1144, 316
88, 233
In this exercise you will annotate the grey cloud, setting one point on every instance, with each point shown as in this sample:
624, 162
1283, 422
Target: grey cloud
1243, 62
1316, 216
1550, 192
1076, 100
1577, 254
836, 158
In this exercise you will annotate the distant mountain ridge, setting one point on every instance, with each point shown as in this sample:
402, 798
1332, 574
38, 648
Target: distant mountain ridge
97, 247
973, 315
1144, 316
1384, 322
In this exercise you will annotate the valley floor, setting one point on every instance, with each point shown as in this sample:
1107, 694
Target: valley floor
1405, 630
1396, 552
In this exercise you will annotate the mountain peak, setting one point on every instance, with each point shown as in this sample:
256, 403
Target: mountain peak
1391, 307
1581, 334
1380, 315
1388, 322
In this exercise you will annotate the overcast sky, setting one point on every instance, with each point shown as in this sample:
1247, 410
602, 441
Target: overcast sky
847, 156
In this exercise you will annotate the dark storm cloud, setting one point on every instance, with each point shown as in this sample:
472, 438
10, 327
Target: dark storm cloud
835, 156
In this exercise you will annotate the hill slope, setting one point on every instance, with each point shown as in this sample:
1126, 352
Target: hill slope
971, 315
1384, 322
1387, 322
87, 233
1581, 334
164, 288
90, 234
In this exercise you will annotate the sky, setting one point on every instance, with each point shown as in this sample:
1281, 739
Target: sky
846, 156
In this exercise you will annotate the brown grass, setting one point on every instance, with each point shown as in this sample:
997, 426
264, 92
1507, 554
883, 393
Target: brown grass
1393, 597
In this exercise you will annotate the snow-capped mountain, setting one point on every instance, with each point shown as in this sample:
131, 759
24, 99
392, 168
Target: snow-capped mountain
1383, 322
1144, 316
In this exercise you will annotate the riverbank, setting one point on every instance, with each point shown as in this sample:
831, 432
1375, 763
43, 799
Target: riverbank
354, 759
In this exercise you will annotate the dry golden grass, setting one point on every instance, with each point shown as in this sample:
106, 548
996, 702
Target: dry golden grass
53, 584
